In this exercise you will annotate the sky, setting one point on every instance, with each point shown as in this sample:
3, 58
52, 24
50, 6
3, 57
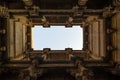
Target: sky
57, 38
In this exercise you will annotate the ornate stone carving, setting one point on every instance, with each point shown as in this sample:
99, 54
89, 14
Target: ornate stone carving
116, 2
69, 22
3, 11
45, 22
69, 51
3, 48
82, 2
28, 2
31, 72
81, 73
3, 31
107, 12
111, 30
110, 48
34, 12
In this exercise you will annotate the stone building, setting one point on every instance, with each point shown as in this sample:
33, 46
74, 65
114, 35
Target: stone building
98, 60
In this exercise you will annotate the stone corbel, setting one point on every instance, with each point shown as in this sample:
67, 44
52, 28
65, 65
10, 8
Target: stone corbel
107, 12
3, 48
83, 24
81, 73
45, 53
22, 19
69, 52
31, 72
75, 10
116, 70
111, 30
29, 23
34, 11
3, 11
82, 2
45, 23
110, 48
28, 2
116, 2
91, 19
69, 22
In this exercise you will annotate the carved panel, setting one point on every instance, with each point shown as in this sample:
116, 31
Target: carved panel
102, 38
11, 34
116, 37
3, 11
97, 39
16, 38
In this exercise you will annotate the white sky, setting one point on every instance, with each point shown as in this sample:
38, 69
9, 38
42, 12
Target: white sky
57, 38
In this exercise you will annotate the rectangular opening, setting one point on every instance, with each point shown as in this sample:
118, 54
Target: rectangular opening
57, 37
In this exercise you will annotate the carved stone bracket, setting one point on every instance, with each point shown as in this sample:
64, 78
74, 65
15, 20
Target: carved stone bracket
111, 30
110, 48
32, 72
34, 12
45, 52
82, 2
3, 31
81, 73
28, 2
116, 2
69, 22
69, 51
116, 70
3, 11
45, 22
89, 20
107, 12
